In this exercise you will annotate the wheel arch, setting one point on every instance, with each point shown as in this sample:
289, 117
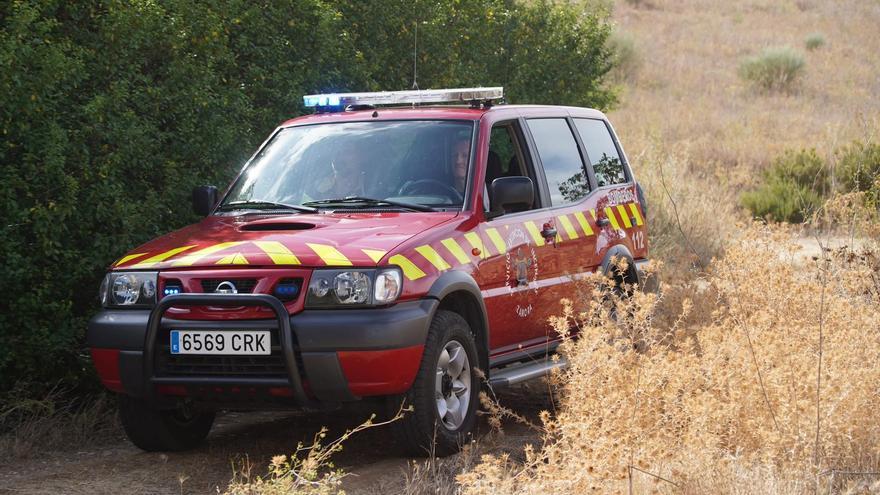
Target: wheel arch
618, 251
457, 291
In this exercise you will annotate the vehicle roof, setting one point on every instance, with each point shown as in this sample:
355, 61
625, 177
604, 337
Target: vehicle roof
447, 112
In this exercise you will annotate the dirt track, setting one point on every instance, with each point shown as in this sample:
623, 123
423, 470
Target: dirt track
120, 468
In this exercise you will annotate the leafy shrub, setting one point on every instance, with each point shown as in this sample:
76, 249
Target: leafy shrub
775, 69
110, 112
859, 170
626, 57
815, 41
794, 187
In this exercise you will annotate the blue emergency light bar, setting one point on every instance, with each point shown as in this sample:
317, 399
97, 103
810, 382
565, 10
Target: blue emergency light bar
416, 97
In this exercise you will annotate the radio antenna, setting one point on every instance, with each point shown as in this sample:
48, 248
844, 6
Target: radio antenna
415, 85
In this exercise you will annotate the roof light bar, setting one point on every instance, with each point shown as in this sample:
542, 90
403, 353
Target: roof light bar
463, 95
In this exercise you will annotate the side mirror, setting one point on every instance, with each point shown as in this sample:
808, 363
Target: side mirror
508, 193
204, 198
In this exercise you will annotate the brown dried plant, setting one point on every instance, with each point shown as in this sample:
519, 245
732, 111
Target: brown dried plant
712, 387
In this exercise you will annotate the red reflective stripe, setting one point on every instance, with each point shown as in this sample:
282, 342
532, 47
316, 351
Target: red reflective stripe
381, 372
106, 363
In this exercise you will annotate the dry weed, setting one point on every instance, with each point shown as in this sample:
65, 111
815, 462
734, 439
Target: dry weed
762, 377
308, 470
56, 422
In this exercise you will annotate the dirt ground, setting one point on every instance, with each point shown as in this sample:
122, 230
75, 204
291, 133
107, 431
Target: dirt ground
371, 458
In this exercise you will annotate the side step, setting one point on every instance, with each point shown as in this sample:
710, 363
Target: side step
517, 373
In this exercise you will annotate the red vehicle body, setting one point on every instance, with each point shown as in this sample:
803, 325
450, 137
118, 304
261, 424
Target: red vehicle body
504, 274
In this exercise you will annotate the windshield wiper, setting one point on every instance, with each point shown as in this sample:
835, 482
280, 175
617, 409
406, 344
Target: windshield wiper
258, 204
371, 202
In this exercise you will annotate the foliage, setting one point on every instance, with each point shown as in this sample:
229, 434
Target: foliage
859, 170
794, 187
111, 111
626, 57
775, 69
814, 41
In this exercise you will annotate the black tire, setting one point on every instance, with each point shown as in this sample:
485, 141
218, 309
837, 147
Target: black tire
156, 430
422, 432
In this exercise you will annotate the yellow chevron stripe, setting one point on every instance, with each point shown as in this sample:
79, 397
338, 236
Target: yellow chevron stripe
201, 253
593, 213
456, 250
330, 255
636, 213
477, 243
568, 227
625, 216
155, 260
536, 234
233, 259
410, 270
434, 257
374, 254
278, 252
610, 214
496, 239
582, 220
128, 258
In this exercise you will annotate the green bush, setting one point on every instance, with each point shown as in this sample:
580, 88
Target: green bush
111, 111
775, 69
793, 188
859, 170
815, 41
626, 57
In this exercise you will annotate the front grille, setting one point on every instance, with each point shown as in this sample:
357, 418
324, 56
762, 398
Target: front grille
242, 285
271, 366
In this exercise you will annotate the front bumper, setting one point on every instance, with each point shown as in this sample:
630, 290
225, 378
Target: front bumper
318, 355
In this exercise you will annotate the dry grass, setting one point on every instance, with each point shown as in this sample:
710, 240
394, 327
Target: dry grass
716, 386
688, 95
31, 427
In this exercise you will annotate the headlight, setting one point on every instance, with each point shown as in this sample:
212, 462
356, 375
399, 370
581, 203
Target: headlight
129, 289
368, 287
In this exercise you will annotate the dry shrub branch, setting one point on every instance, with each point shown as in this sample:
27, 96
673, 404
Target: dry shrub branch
712, 388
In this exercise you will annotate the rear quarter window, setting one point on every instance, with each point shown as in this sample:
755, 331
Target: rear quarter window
566, 176
602, 152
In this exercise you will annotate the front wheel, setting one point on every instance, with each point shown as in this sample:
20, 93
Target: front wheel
444, 395
157, 430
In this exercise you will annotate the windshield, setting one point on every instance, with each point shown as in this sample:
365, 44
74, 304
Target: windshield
423, 162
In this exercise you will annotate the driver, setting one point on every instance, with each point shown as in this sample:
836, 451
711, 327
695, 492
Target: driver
349, 167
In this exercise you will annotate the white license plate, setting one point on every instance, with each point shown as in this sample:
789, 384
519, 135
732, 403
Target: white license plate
229, 342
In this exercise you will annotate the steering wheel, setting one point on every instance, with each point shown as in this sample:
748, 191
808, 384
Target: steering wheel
427, 186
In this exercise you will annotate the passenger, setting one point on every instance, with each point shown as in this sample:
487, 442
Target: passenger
349, 168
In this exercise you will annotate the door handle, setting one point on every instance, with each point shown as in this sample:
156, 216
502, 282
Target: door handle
602, 222
549, 232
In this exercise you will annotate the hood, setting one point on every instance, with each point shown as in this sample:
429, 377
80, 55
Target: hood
358, 239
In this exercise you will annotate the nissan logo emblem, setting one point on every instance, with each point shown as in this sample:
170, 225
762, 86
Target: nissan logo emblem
226, 287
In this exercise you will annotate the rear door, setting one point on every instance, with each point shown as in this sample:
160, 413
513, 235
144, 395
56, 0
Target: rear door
615, 204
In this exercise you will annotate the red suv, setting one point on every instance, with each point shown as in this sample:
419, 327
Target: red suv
377, 248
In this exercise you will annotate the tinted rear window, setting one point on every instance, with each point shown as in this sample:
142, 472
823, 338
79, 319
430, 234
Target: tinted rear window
602, 152
561, 159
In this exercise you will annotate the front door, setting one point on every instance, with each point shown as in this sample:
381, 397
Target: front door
522, 259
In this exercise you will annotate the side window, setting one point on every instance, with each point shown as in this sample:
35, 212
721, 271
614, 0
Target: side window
505, 158
602, 152
566, 176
